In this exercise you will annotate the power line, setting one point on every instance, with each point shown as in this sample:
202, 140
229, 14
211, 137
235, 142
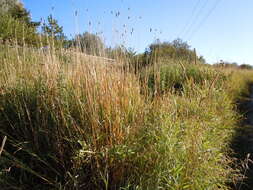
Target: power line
195, 19
189, 18
217, 2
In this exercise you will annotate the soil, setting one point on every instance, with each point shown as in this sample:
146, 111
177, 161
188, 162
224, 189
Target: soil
242, 144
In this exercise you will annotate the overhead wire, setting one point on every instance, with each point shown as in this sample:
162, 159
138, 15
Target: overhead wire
195, 19
190, 18
217, 2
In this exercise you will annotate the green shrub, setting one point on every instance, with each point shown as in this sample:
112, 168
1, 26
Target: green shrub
175, 77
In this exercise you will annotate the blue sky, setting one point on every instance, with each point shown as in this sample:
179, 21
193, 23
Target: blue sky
218, 29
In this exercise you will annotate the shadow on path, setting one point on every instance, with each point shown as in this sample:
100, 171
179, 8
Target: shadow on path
242, 144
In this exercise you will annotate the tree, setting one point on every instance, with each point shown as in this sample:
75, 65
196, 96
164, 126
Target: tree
20, 13
162, 50
177, 49
180, 44
6, 5
52, 28
13, 31
16, 9
15, 23
202, 59
245, 66
89, 43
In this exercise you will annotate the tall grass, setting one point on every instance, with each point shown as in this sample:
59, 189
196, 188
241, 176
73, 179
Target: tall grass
80, 123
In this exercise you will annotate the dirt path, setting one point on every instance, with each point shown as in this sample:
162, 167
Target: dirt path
242, 145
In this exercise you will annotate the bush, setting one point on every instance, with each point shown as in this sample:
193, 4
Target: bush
176, 77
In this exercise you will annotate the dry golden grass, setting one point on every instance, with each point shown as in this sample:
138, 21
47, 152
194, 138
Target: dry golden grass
75, 123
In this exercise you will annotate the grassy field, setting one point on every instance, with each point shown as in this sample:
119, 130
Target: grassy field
76, 123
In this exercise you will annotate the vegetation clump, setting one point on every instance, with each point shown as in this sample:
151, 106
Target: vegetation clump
75, 120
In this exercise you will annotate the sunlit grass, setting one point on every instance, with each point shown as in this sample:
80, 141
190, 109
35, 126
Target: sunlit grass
80, 123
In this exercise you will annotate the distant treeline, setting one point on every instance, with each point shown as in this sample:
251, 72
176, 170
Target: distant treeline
17, 28
226, 64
